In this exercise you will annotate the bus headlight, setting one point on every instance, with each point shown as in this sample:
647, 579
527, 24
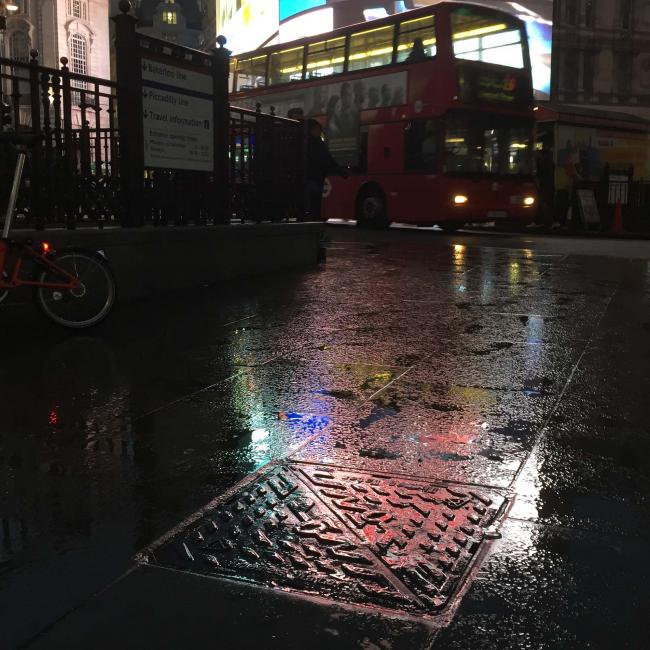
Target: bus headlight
526, 200
460, 199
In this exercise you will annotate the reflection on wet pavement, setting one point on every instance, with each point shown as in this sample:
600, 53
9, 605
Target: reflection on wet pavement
518, 370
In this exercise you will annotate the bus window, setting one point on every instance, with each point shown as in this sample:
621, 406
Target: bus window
251, 73
422, 142
371, 48
479, 36
286, 65
416, 40
325, 58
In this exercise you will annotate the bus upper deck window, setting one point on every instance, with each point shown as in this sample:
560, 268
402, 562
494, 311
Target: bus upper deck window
251, 73
416, 40
325, 58
286, 65
478, 36
371, 48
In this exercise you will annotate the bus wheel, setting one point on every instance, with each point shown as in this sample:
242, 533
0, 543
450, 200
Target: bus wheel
451, 226
371, 209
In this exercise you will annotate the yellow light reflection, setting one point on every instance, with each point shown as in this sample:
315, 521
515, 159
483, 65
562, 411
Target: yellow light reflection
459, 254
490, 29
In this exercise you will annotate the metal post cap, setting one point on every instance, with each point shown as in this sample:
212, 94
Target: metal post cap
221, 40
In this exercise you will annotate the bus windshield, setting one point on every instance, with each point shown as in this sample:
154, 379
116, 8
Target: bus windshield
484, 143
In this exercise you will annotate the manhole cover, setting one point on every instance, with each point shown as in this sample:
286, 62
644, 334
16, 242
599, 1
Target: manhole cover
348, 536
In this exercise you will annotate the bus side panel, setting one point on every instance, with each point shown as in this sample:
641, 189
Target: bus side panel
340, 196
386, 148
414, 198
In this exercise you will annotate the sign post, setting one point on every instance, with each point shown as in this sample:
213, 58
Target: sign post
173, 116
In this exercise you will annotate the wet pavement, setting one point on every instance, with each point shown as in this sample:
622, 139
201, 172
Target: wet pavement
430, 441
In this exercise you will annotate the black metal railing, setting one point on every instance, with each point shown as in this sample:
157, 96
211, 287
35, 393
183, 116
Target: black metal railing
265, 166
73, 176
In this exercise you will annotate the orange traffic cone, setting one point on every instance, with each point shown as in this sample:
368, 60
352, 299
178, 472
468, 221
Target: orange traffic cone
617, 223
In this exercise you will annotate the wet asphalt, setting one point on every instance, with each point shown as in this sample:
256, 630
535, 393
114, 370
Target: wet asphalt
508, 366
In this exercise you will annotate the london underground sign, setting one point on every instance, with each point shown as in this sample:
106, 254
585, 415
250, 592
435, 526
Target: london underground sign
177, 117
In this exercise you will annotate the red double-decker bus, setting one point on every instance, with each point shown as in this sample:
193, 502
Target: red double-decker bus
432, 111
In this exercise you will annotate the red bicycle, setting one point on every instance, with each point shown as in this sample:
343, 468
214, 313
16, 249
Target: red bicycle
73, 287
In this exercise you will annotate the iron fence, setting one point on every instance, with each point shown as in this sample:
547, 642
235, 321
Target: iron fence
71, 175
74, 173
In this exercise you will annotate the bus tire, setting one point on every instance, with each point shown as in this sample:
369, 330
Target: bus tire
372, 210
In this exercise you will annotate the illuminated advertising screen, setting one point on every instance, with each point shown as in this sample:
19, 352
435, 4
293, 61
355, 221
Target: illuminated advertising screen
250, 24
290, 8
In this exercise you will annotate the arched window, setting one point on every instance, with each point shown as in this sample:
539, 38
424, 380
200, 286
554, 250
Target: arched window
19, 47
78, 54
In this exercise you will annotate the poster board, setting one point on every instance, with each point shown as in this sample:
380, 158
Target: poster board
588, 207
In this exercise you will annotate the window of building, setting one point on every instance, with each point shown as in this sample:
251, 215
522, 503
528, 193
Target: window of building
371, 48
170, 17
422, 145
286, 65
251, 73
78, 9
19, 47
20, 7
588, 72
326, 57
626, 13
571, 12
570, 72
590, 12
78, 54
478, 36
624, 71
410, 31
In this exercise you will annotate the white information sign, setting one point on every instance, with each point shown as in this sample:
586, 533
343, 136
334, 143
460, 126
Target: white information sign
177, 117
171, 75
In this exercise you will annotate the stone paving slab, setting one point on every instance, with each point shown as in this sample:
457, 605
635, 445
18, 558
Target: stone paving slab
401, 544
153, 608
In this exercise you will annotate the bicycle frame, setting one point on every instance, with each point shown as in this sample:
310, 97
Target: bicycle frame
25, 249
14, 280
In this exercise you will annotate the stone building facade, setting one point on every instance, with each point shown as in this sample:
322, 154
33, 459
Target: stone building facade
601, 54
75, 29
177, 21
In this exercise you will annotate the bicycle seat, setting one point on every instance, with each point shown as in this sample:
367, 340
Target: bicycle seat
19, 139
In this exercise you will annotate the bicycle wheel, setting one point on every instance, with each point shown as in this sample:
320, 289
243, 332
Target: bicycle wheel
83, 307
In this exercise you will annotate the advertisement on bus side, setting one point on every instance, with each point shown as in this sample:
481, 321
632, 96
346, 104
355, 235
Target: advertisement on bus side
338, 105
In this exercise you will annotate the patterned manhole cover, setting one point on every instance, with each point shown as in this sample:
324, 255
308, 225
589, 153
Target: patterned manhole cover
348, 536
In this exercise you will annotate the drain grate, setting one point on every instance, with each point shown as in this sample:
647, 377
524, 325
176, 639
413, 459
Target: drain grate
349, 536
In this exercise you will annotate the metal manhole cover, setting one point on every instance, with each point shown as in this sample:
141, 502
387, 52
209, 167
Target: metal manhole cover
348, 536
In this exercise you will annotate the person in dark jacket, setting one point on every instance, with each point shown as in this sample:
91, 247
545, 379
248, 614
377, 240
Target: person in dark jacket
319, 165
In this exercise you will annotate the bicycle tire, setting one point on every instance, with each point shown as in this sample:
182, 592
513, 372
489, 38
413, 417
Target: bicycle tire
84, 307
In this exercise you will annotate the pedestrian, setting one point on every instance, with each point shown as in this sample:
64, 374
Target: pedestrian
319, 165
